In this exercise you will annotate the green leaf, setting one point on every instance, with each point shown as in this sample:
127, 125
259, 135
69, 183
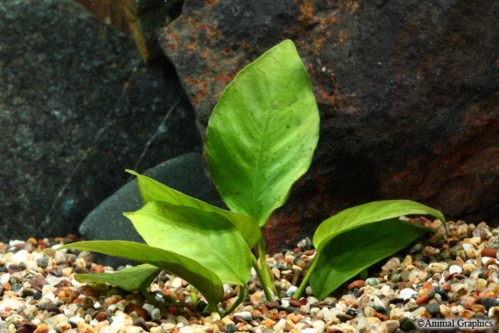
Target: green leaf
203, 279
371, 212
353, 251
262, 133
358, 237
130, 279
152, 190
206, 237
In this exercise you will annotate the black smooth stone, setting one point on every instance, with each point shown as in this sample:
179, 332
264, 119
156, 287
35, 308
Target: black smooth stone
488, 302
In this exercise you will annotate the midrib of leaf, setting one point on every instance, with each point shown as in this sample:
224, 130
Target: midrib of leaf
257, 178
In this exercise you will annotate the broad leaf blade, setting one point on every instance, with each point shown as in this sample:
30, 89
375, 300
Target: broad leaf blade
130, 279
262, 133
152, 190
358, 237
353, 251
200, 277
206, 237
371, 212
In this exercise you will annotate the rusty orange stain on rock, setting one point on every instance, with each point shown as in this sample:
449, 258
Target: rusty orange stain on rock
211, 31
306, 12
342, 37
173, 41
201, 86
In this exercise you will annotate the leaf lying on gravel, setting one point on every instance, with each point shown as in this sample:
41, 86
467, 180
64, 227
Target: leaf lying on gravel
130, 279
358, 237
203, 279
152, 190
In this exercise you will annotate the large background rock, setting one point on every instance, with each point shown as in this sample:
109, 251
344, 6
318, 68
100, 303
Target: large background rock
77, 106
407, 91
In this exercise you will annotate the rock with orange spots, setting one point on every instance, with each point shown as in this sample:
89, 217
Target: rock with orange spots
407, 92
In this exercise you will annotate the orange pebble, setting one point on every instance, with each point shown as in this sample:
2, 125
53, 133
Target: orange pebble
422, 299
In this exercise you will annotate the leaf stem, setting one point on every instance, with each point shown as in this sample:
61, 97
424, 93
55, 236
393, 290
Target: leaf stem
259, 273
304, 282
242, 295
264, 273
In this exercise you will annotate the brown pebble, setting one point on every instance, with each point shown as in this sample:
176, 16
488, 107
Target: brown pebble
26, 328
112, 300
357, 284
488, 252
422, 299
478, 308
141, 312
38, 282
140, 322
100, 316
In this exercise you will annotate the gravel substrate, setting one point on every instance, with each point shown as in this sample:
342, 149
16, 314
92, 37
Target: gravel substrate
437, 277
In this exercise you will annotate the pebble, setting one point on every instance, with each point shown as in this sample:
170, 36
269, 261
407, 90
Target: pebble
407, 293
438, 277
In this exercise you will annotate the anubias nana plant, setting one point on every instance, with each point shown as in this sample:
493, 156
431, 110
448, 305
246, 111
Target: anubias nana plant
260, 139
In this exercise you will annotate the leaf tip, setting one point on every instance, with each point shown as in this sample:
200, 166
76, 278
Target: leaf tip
132, 172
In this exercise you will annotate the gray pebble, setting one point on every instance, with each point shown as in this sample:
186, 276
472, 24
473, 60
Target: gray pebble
433, 308
42, 262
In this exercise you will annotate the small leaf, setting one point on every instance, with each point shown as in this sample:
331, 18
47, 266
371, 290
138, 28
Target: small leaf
206, 237
351, 252
262, 133
358, 237
136, 278
371, 212
200, 277
152, 190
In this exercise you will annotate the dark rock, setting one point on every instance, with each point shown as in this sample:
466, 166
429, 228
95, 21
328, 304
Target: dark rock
184, 173
407, 92
26, 328
488, 302
77, 106
433, 308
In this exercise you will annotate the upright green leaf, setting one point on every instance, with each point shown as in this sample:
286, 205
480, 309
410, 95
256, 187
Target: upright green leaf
262, 133
136, 278
152, 190
206, 237
358, 237
202, 278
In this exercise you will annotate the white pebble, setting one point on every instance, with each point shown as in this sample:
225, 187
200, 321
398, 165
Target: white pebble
186, 329
309, 330
245, 315
20, 256
176, 283
455, 269
467, 246
281, 325
407, 293
15, 242
487, 259
5, 278
291, 291
318, 325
